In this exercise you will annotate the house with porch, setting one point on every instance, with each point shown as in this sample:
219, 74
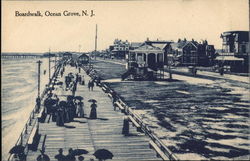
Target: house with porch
147, 59
235, 51
150, 54
120, 49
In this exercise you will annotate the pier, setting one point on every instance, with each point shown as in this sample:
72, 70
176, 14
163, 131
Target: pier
19, 56
105, 132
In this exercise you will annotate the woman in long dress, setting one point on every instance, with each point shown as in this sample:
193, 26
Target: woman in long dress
93, 113
59, 117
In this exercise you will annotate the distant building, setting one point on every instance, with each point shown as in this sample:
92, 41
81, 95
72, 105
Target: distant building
120, 49
150, 54
235, 51
235, 42
192, 53
134, 45
83, 59
67, 55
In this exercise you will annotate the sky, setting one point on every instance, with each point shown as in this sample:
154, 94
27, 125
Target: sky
134, 21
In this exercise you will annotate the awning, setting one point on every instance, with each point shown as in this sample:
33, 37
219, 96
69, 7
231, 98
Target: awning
229, 58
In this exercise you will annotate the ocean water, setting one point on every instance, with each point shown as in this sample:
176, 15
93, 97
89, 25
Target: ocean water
19, 92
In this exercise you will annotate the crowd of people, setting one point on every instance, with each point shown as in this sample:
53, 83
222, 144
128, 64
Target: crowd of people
64, 111
71, 156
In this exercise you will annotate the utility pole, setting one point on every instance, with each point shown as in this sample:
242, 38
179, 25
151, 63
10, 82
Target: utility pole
95, 40
79, 48
38, 100
49, 64
55, 64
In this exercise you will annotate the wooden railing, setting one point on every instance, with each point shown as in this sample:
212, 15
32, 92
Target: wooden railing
32, 120
129, 111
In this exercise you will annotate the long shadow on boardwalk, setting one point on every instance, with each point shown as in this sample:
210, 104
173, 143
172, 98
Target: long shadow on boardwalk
81, 122
69, 127
103, 119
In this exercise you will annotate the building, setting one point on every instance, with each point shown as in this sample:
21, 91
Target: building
190, 53
83, 59
235, 51
150, 54
67, 55
236, 42
133, 46
120, 49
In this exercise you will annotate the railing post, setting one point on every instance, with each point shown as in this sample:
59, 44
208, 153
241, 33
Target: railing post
26, 128
21, 139
32, 114
30, 121
125, 129
38, 126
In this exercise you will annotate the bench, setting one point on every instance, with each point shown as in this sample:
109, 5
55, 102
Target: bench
158, 150
33, 138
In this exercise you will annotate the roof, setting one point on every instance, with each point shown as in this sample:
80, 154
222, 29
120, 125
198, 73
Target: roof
177, 45
229, 58
180, 45
231, 32
136, 44
244, 35
161, 46
195, 44
67, 53
146, 47
83, 55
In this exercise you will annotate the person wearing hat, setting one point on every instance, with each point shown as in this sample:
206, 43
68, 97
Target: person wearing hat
93, 113
70, 156
80, 158
60, 156
42, 156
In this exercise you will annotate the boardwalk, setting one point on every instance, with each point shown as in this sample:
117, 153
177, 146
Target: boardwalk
104, 132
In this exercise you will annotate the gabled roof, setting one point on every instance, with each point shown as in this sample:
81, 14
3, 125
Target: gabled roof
190, 42
180, 45
83, 55
161, 46
146, 47
135, 44
177, 45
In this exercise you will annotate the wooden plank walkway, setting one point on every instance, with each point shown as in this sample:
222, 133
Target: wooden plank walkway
103, 132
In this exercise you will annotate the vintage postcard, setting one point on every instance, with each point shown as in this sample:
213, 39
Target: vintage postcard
125, 80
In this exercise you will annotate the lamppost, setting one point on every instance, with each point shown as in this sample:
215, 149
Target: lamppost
38, 100
49, 65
